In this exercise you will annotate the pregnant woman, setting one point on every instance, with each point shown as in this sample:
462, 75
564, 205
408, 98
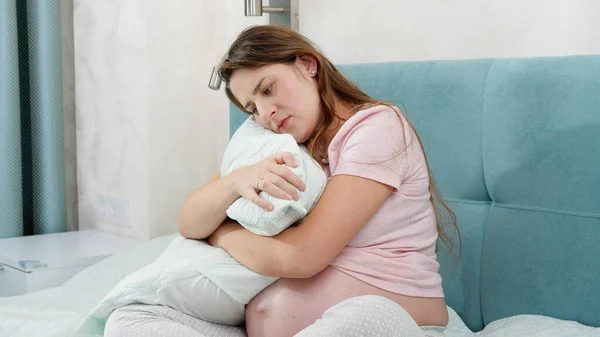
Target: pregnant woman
363, 262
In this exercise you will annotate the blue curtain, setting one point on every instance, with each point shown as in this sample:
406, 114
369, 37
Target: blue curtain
32, 174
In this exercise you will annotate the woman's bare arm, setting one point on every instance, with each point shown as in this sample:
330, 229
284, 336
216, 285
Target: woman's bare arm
205, 208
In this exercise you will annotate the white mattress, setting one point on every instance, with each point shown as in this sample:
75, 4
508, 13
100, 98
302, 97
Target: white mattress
58, 311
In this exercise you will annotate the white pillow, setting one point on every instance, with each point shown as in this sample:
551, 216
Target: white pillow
206, 282
190, 276
252, 143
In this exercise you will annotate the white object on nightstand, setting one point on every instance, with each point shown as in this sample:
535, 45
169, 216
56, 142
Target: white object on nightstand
37, 262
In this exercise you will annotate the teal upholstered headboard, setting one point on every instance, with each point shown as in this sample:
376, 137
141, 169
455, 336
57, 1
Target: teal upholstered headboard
514, 145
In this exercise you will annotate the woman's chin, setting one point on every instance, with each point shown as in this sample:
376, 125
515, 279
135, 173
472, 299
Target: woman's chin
300, 138
296, 138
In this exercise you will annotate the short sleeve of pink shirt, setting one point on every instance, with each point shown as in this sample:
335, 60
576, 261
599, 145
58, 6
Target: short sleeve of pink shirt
395, 250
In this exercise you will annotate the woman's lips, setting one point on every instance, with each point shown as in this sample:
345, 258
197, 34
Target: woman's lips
283, 123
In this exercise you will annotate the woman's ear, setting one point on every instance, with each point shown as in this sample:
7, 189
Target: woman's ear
307, 64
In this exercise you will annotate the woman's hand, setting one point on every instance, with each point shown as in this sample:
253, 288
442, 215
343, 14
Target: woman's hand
271, 176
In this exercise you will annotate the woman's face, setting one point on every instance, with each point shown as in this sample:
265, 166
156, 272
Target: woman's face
283, 97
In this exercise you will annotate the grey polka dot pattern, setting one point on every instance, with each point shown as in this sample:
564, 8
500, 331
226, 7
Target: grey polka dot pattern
140, 320
364, 316
367, 316
31, 135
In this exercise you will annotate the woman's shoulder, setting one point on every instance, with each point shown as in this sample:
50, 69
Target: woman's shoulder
376, 112
370, 145
380, 119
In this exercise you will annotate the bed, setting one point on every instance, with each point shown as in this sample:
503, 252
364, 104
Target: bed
58, 311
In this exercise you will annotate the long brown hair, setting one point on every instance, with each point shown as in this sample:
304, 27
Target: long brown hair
260, 46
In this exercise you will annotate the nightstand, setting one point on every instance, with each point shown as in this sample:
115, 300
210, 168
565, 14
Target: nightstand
37, 262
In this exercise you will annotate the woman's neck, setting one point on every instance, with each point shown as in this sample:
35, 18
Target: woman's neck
343, 111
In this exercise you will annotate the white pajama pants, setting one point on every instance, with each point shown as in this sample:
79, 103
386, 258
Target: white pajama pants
363, 316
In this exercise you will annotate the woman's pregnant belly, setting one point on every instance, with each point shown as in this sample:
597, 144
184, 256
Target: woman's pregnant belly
289, 305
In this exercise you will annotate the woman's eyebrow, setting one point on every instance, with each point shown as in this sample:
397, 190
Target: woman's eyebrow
256, 88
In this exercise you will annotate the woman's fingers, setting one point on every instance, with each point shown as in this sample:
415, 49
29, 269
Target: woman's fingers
289, 176
275, 186
286, 180
253, 196
275, 179
286, 158
280, 188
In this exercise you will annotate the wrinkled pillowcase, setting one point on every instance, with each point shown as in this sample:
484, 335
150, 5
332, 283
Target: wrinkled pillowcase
206, 282
252, 143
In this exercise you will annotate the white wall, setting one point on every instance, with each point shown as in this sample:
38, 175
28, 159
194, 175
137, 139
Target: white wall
148, 128
353, 31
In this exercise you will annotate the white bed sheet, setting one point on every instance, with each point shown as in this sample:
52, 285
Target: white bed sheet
58, 311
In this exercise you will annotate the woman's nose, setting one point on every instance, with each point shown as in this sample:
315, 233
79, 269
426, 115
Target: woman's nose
266, 112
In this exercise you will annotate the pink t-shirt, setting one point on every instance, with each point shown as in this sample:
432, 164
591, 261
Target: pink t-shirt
395, 250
